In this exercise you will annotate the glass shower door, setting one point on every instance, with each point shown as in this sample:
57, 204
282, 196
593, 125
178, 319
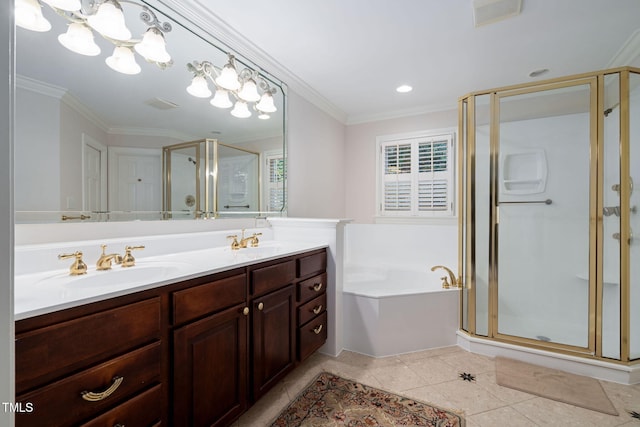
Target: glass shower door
542, 153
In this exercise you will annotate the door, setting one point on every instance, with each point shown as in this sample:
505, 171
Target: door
135, 179
94, 175
543, 199
273, 338
210, 370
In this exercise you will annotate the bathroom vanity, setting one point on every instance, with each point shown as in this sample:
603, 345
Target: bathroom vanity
197, 351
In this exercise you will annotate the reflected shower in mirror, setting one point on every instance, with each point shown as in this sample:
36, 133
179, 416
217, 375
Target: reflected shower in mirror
88, 139
204, 179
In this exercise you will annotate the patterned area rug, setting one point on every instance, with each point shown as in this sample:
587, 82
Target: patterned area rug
334, 401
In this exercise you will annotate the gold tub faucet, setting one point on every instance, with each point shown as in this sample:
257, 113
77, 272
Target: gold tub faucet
104, 262
448, 282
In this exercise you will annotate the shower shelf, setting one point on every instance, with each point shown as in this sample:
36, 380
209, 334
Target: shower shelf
606, 281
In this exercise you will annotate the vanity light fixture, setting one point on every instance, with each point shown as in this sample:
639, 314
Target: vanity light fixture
404, 89
106, 18
244, 87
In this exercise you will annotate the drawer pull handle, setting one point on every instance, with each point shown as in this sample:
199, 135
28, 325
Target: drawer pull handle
317, 287
96, 397
260, 306
245, 311
317, 309
118, 425
317, 329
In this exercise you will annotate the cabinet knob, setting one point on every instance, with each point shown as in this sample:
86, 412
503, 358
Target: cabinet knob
317, 309
91, 396
260, 306
245, 311
317, 287
317, 329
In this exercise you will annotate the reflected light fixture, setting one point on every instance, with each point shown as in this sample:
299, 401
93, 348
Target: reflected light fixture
105, 17
244, 87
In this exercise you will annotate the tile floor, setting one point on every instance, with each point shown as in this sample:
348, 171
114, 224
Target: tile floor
433, 376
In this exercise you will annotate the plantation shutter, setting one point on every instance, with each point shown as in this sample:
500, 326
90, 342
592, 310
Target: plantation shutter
276, 181
417, 176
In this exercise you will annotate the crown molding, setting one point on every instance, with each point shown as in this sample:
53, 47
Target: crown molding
42, 88
199, 14
628, 53
357, 119
153, 132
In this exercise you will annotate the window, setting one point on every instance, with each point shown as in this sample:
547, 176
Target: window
415, 175
276, 179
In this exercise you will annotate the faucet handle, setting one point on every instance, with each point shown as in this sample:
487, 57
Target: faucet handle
78, 267
128, 260
254, 240
445, 282
234, 245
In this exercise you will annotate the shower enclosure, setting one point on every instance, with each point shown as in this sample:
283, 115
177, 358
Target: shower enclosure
206, 178
548, 211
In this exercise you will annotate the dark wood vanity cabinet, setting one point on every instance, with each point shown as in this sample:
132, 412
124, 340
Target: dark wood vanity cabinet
210, 353
73, 366
195, 353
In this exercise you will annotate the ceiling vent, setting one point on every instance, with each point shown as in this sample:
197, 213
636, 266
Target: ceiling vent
490, 11
161, 104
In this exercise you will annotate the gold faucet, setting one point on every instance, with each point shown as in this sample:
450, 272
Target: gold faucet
128, 260
78, 267
104, 262
244, 241
451, 281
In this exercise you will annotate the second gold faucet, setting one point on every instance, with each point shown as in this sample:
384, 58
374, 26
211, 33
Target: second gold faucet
244, 241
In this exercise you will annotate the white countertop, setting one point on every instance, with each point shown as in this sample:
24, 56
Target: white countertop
49, 291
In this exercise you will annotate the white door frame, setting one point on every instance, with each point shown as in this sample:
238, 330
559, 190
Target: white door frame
88, 141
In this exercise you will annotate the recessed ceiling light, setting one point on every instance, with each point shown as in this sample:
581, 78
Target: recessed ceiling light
404, 89
538, 72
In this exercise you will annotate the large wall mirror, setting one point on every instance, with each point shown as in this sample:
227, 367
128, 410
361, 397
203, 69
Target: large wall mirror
89, 140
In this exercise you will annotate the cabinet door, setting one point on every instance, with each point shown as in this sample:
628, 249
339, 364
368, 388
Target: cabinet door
210, 369
273, 338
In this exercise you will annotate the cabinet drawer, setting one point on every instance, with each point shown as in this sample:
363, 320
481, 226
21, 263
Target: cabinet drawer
52, 352
311, 336
310, 288
143, 410
266, 279
311, 309
61, 403
311, 264
189, 304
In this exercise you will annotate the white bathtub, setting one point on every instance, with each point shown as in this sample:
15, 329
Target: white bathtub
391, 310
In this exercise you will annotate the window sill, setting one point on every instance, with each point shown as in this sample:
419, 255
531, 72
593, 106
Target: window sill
453, 220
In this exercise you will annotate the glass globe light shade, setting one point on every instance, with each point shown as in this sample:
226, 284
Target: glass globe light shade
264, 116
228, 78
199, 87
221, 99
28, 15
79, 39
123, 61
266, 103
241, 110
153, 47
68, 5
249, 91
109, 21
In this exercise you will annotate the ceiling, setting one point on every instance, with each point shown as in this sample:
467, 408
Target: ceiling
351, 55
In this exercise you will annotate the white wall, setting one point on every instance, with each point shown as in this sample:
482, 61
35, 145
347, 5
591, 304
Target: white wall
316, 161
360, 157
6, 211
37, 150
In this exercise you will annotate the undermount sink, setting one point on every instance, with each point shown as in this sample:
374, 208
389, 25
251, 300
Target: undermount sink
117, 276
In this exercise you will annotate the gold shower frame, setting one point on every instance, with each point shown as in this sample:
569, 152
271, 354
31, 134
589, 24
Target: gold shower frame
467, 214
